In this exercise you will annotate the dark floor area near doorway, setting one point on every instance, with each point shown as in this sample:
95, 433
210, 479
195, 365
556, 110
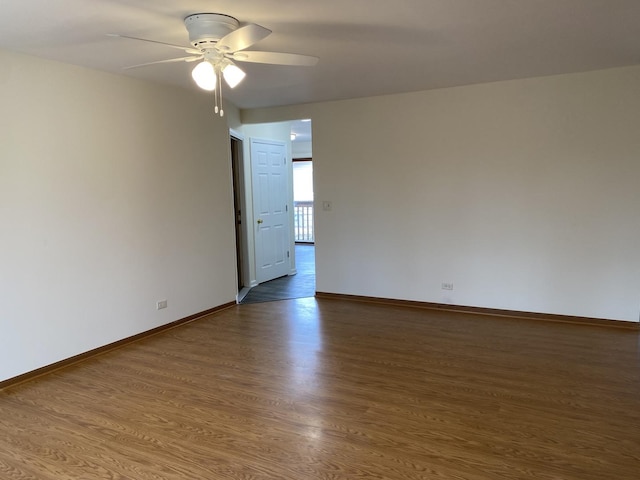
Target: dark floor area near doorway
300, 285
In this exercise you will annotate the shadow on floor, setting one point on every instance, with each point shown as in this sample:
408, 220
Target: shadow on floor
300, 285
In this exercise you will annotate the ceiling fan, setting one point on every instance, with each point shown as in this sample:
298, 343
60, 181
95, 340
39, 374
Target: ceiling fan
217, 41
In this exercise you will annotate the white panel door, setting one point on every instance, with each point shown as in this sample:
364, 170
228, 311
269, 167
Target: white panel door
270, 209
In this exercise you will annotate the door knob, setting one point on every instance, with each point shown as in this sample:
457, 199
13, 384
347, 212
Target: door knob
260, 220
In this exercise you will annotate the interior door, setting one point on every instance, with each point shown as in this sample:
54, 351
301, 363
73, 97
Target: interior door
270, 209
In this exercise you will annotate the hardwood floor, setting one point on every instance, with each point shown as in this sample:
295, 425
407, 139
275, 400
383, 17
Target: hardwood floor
332, 389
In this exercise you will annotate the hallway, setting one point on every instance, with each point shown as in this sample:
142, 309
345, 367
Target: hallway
301, 285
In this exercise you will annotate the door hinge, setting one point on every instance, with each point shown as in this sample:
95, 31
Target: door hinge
286, 208
287, 253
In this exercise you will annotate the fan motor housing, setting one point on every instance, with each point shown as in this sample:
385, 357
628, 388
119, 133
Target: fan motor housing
205, 29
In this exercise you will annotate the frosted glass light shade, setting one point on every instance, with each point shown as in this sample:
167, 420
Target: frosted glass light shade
204, 76
233, 75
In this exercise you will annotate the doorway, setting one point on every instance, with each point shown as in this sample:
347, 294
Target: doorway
300, 280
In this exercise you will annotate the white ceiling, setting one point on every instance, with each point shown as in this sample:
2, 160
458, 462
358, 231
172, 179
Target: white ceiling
366, 47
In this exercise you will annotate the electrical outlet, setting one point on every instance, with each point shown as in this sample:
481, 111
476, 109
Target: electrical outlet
161, 304
447, 285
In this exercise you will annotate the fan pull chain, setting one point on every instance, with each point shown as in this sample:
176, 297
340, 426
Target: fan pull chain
220, 86
215, 94
215, 100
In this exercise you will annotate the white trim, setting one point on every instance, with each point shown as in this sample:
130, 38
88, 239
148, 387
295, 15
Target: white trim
241, 294
236, 134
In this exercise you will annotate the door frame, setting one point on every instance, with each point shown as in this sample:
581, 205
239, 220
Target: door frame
248, 243
237, 167
244, 241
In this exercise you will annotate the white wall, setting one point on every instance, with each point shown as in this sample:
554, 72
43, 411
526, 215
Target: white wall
114, 194
524, 194
302, 149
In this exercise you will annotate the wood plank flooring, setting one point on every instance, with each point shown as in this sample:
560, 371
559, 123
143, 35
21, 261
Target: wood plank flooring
332, 389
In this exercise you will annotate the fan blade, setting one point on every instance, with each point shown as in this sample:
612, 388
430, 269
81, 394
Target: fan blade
242, 38
274, 58
190, 50
170, 60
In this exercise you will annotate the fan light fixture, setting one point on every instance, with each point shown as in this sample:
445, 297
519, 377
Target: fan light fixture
233, 75
216, 41
206, 75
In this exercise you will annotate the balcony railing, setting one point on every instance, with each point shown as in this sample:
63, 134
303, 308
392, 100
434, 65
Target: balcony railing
303, 221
